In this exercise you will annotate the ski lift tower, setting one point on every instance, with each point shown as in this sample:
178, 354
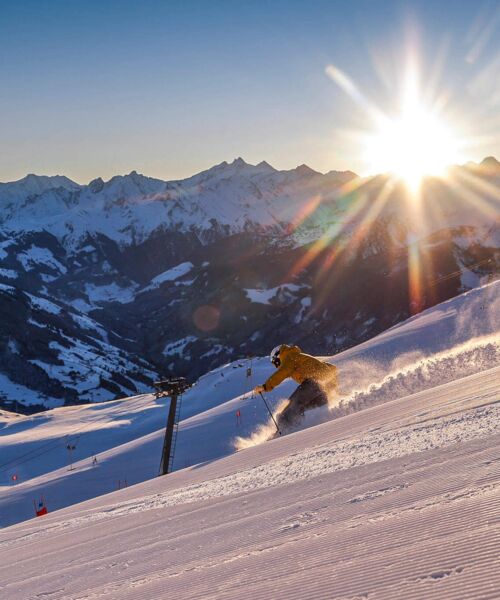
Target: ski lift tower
174, 388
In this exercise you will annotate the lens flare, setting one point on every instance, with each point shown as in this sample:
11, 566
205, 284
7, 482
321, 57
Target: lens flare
206, 318
410, 149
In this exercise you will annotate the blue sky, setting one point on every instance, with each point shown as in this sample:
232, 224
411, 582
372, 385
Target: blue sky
95, 88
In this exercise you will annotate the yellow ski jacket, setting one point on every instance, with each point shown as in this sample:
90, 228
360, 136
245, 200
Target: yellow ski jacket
300, 366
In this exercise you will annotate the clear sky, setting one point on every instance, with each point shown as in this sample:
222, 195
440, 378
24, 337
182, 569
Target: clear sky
165, 87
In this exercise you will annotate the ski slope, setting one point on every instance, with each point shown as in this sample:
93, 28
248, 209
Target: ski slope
391, 492
448, 342
397, 501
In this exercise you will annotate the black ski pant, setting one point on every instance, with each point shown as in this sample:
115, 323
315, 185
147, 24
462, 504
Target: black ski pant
309, 394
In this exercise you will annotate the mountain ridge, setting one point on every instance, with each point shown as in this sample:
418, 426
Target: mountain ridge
237, 162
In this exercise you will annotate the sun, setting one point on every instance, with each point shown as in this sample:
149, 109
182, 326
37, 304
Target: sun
416, 140
412, 145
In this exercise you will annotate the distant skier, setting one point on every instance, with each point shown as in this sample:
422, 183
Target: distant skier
316, 378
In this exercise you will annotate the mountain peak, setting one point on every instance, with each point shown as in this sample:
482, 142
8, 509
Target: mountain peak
134, 175
341, 176
37, 184
96, 185
56, 180
265, 166
238, 167
305, 170
490, 163
239, 162
130, 187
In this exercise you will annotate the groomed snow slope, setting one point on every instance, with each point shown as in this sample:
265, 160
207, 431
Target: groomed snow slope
398, 501
445, 343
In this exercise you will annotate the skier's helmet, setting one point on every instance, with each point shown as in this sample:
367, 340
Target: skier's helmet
275, 356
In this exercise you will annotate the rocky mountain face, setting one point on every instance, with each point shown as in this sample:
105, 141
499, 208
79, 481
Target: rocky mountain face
105, 286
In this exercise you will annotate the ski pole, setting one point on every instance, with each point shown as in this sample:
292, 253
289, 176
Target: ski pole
269, 411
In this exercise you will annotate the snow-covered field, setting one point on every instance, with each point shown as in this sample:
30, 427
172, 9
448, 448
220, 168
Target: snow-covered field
397, 501
391, 492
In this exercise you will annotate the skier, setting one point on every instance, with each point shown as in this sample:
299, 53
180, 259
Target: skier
316, 378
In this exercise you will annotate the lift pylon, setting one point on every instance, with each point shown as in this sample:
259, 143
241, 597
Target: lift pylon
173, 388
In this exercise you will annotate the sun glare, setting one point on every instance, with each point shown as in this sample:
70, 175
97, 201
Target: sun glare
419, 132
416, 141
411, 146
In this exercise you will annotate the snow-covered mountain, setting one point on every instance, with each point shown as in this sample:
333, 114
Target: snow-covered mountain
19, 192
227, 198
222, 265
394, 494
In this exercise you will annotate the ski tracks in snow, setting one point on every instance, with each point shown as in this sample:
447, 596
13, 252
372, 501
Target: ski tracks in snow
407, 535
362, 450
